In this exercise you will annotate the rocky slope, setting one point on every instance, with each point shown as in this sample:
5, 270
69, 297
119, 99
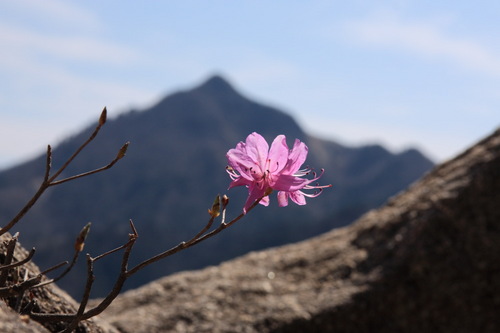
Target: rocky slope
428, 261
46, 299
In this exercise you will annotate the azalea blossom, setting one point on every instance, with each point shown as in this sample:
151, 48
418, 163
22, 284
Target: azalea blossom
262, 169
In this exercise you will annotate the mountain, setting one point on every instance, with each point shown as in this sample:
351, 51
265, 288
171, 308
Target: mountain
174, 167
427, 261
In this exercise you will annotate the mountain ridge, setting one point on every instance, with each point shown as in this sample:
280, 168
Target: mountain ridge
172, 171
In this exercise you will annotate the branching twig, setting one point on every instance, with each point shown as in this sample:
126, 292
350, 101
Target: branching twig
51, 180
78, 248
86, 296
9, 255
20, 263
19, 288
120, 155
125, 274
193, 241
102, 121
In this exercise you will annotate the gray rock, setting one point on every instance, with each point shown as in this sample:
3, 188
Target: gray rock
47, 299
11, 321
428, 261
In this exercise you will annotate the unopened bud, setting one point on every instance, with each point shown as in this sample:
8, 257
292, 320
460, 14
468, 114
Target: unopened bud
123, 151
102, 118
215, 210
225, 200
80, 240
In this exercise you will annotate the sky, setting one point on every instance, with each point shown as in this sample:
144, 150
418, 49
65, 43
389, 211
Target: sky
422, 74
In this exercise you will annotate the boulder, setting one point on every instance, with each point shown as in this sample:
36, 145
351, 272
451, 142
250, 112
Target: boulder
427, 261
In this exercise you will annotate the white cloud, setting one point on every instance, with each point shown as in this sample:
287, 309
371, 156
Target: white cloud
15, 40
52, 12
426, 39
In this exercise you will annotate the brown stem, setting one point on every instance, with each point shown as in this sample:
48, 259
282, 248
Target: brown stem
26, 208
50, 181
20, 263
88, 173
86, 295
75, 154
125, 273
20, 287
193, 241
9, 255
120, 281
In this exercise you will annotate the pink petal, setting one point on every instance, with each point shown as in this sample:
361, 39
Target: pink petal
254, 193
264, 201
298, 198
296, 157
241, 163
278, 154
257, 149
240, 181
282, 198
289, 183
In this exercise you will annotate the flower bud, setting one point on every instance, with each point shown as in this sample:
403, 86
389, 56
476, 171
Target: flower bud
215, 210
102, 118
80, 240
225, 200
123, 151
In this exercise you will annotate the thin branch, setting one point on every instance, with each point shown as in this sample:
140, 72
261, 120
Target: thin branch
202, 231
20, 287
20, 263
132, 238
48, 164
85, 298
50, 269
9, 255
78, 248
53, 268
120, 155
125, 273
122, 277
193, 241
49, 181
19, 299
101, 122
26, 208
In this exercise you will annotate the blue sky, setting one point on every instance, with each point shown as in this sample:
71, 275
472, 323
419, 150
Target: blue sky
401, 73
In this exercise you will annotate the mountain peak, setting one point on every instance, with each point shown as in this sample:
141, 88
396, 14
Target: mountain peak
217, 84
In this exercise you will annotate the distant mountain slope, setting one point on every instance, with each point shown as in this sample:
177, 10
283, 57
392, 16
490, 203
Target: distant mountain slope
173, 169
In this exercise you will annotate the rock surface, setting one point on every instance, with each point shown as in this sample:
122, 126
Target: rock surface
10, 321
428, 261
47, 299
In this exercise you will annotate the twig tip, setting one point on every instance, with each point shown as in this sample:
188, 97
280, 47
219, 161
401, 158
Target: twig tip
102, 118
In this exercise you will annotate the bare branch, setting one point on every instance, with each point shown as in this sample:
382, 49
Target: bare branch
120, 155
77, 152
9, 255
20, 287
51, 180
20, 263
85, 299
195, 240
48, 164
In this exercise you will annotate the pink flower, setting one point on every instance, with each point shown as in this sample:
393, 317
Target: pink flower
263, 170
